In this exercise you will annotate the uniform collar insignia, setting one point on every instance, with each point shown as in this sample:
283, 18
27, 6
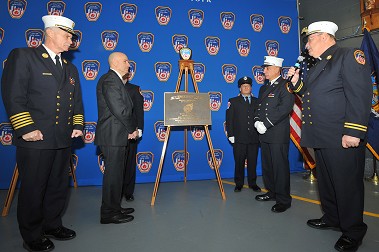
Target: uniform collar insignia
45, 55
329, 57
65, 61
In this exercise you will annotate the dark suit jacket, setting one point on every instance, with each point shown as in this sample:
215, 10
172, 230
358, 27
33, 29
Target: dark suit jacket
35, 98
137, 98
275, 105
240, 120
115, 121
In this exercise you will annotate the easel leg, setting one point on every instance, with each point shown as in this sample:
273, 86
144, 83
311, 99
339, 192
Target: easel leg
72, 173
12, 187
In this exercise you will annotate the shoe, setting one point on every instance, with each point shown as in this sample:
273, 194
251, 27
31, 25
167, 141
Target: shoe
319, 224
255, 188
117, 219
61, 233
237, 188
127, 210
129, 197
41, 244
279, 208
264, 197
345, 243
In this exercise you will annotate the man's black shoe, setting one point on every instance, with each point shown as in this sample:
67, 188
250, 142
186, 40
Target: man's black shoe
61, 233
129, 197
42, 244
264, 197
117, 219
319, 224
279, 208
127, 210
237, 188
255, 188
345, 243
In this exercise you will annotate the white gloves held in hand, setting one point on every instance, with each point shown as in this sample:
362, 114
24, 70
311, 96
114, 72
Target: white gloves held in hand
261, 128
231, 139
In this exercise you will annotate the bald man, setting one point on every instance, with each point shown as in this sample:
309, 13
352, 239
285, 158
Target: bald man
115, 127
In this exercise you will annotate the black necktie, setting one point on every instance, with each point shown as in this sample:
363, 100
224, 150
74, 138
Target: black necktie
58, 64
247, 99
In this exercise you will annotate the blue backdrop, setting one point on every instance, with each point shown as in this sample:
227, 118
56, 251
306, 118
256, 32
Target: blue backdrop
229, 40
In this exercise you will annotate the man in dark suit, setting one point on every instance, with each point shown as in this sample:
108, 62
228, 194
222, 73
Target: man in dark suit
337, 97
42, 96
138, 120
243, 135
273, 124
115, 127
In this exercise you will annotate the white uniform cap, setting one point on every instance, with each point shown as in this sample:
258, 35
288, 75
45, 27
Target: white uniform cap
272, 61
64, 23
322, 26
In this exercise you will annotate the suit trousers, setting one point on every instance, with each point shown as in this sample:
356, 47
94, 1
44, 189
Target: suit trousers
242, 152
115, 158
130, 172
340, 183
43, 190
276, 171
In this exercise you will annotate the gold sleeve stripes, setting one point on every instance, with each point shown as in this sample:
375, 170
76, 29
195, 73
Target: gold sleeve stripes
21, 120
299, 87
78, 119
355, 126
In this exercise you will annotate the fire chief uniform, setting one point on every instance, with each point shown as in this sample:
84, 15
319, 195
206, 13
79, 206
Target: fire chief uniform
38, 97
336, 97
275, 105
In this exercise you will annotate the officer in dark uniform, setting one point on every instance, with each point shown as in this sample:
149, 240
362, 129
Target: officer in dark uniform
273, 124
336, 98
243, 135
42, 96
138, 118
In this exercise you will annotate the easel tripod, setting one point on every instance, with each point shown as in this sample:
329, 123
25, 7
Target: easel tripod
186, 66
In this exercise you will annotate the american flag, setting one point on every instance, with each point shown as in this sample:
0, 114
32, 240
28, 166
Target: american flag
295, 118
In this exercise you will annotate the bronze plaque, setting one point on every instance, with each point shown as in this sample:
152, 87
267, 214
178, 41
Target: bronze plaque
186, 109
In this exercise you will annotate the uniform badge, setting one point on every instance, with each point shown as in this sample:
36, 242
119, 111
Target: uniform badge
219, 155
72, 81
45, 55
360, 57
65, 61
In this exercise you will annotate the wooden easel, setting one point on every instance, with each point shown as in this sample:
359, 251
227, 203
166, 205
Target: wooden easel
12, 187
186, 65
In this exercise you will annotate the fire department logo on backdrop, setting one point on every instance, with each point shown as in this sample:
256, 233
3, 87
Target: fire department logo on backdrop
132, 69
56, 8
162, 70
178, 159
34, 37
17, 8
212, 44
197, 133
109, 40
90, 69
89, 132
199, 71
179, 41
160, 130
258, 74
224, 126
6, 133
148, 99
128, 12
219, 155
285, 72
145, 41
257, 22
215, 100
92, 10
145, 161
243, 46
196, 17
229, 71
227, 20
272, 47
163, 15
285, 24
100, 162
1, 35
76, 40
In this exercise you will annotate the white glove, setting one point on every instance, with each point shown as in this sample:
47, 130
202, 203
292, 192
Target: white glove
261, 128
231, 139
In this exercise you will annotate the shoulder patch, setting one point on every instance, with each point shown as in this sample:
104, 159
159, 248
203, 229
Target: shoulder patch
360, 57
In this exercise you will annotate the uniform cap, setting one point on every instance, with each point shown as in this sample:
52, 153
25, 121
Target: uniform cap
64, 23
273, 61
322, 26
245, 80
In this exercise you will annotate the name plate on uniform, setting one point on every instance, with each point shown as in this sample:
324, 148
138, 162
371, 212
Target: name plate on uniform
186, 109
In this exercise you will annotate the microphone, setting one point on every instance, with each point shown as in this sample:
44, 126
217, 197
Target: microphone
297, 65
